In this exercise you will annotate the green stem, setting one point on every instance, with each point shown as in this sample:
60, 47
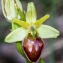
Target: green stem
27, 61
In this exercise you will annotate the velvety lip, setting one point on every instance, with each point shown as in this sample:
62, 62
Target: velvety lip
33, 47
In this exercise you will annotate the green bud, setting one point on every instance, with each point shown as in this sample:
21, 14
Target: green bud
10, 9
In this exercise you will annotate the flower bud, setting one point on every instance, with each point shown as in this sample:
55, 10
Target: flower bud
9, 8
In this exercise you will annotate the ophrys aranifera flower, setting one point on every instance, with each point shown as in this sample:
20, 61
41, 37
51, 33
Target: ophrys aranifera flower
31, 33
33, 26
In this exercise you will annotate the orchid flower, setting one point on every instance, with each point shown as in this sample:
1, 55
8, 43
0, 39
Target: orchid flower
31, 25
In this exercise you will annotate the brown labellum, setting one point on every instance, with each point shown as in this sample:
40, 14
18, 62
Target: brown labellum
33, 47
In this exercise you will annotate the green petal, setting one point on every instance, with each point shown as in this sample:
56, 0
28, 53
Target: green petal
16, 35
40, 21
46, 31
22, 23
31, 13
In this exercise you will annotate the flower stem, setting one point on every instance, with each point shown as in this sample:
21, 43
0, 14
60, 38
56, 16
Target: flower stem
27, 61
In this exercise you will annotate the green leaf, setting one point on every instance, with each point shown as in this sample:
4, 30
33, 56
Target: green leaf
41, 60
40, 21
16, 35
46, 31
22, 23
31, 13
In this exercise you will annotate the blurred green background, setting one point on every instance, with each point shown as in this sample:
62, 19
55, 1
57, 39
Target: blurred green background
53, 50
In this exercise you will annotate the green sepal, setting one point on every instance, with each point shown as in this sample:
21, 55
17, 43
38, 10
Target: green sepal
16, 35
31, 13
45, 31
41, 60
39, 22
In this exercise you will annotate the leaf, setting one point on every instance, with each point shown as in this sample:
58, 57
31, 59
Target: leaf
22, 23
16, 35
41, 60
46, 31
40, 21
31, 13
